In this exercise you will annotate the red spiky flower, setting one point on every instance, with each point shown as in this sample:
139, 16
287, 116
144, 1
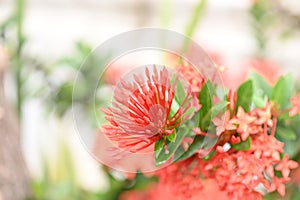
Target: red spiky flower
145, 110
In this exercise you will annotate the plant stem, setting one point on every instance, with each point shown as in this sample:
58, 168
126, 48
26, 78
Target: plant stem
194, 21
19, 13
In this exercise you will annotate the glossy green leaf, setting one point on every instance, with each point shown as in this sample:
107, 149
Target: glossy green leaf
206, 120
180, 92
258, 101
193, 148
164, 155
283, 91
261, 90
205, 99
158, 146
172, 136
261, 87
216, 109
245, 95
210, 155
243, 145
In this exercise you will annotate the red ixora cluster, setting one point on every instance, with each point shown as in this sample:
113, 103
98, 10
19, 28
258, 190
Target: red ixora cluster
246, 162
241, 174
142, 111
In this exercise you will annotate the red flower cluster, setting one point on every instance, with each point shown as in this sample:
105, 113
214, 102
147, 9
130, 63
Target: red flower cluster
247, 160
194, 78
295, 105
246, 174
142, 112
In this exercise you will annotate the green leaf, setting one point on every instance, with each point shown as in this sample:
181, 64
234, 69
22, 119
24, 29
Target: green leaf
260, 83
174, 107
190, 111
244, 145
179, 93
295, 193
159, 145
283, 91
172, 137
261, 89
245, 95
286, 133
205, 120
218, 107
210, 155
291, 147
205, 99
285, 125
163, 156
7, 22
258, 101
193, 148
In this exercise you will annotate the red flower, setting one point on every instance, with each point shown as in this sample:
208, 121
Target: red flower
267, 146
278, 184
183, 177
264, 115
223, 123
295, 105
245, 124
194, 78
145, 110
286, 165
238, 174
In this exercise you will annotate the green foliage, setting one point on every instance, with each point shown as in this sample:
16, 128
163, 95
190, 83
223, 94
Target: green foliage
245, 95
210, 155
198, 140
264, 19
282, 91
260, 85
60, 181
193, 148
205, 121
163, 155
179, 93
243, 145
271, 18
258, 13
286, 133
179, 98
203, 118
205, 99
295, 193
81, 94
261, 90
159, 145
172, 137
64, 97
